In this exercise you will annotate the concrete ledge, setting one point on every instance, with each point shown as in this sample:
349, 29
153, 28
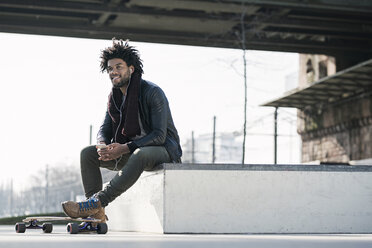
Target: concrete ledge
218, 198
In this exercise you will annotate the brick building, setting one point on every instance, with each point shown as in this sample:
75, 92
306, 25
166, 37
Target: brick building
334, 110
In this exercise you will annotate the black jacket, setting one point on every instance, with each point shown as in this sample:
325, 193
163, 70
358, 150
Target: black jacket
156, 120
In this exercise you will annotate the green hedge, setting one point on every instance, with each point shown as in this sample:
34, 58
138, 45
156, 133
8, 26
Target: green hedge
14, 220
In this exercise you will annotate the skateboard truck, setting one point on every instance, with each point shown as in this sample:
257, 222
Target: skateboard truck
73, 228
21, 227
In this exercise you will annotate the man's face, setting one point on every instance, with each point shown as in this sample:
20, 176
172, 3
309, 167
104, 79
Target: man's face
119, 72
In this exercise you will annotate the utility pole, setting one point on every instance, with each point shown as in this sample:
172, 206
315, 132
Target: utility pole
275, 134
214, 141
46, 188
11, 207
192, 148
90, 134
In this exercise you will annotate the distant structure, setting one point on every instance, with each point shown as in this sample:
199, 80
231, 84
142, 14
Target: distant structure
334, 110
227, 149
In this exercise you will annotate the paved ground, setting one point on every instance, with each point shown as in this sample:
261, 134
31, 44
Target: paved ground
60, 238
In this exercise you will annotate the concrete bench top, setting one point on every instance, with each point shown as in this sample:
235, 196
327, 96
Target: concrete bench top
268, 167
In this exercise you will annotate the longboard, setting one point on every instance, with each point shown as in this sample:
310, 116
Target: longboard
73, 228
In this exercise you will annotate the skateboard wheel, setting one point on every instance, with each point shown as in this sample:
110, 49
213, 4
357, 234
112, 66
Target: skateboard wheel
72, 228
101, 228
20, 227
47, 227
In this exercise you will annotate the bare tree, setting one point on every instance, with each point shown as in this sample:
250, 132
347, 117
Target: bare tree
242, 39
47, 189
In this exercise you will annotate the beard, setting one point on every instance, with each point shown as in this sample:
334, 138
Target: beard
123, 82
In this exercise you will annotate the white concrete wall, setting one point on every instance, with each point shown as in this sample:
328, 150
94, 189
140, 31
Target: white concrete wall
247, 199
141, 207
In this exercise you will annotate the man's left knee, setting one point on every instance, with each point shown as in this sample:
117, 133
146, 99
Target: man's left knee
142, 153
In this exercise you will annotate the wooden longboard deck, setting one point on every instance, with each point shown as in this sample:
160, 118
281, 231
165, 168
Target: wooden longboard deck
55, 218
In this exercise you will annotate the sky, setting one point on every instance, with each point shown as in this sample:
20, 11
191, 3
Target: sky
52, 90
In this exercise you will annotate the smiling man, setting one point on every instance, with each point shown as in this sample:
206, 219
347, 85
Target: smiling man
137, 133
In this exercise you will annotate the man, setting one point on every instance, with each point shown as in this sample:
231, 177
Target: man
138, 130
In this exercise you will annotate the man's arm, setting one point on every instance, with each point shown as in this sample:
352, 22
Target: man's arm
158, 105
105, 131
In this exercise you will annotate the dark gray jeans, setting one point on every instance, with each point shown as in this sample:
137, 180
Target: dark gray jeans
129, 168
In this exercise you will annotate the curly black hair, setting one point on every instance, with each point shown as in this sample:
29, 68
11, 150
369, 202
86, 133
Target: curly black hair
121, 50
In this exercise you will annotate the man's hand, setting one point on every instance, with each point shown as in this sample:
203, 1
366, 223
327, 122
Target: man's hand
112, 151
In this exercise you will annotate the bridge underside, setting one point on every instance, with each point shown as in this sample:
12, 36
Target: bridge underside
315, 26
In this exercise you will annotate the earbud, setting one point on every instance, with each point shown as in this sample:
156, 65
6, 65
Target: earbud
131, 70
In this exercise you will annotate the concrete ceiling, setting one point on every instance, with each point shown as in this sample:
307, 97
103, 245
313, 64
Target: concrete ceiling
332, 27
